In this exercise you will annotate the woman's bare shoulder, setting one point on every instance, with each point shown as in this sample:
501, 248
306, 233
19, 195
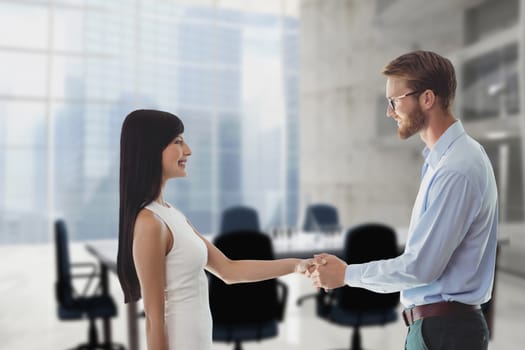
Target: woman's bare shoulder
148, 223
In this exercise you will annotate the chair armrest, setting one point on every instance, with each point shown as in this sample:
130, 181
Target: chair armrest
89, 275
282, 290
325, 302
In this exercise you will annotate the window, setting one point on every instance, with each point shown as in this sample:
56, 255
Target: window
81, 68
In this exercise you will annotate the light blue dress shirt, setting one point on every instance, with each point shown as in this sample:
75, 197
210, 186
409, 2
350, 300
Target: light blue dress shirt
450, 252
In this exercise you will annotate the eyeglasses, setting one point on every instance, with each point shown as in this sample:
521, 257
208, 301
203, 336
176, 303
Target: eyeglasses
391, 100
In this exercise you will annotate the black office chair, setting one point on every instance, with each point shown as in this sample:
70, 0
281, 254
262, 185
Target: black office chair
246, 311
357, 307
75, 306
239, 218
321, 218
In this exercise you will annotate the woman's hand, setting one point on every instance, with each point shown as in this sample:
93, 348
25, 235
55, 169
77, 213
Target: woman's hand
305, 267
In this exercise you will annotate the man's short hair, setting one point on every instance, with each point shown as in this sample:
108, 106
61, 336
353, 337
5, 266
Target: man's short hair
426, 70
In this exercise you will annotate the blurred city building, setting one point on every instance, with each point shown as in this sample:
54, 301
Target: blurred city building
72, 70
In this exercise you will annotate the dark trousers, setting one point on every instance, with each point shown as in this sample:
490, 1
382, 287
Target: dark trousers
467, 331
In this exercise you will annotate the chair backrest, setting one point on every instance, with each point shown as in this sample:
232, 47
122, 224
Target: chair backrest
239, 218
64, 290
321, 217
365, 243
244, 303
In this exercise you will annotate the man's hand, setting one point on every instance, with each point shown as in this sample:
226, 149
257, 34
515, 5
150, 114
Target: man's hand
329, 272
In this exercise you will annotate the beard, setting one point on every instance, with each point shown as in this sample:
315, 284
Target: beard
413, 123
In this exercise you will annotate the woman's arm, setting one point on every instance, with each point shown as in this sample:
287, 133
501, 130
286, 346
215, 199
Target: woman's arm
238, 271
150, 243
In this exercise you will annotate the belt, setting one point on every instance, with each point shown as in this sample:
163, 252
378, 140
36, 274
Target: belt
443, 308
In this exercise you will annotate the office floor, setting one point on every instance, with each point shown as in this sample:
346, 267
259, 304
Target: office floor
28, 312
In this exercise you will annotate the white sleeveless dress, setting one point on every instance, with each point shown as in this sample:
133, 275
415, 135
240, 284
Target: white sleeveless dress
188, 320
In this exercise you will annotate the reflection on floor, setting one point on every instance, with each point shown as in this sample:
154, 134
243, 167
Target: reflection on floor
28, 312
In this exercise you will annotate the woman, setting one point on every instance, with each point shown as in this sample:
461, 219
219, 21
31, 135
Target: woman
161, 257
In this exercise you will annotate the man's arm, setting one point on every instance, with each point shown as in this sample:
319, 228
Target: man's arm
450, 210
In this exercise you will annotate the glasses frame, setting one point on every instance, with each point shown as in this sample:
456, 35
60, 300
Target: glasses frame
391, 100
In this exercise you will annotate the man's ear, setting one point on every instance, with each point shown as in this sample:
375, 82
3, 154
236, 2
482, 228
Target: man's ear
428, 99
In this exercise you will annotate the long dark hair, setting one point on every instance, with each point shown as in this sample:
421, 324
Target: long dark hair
145, 134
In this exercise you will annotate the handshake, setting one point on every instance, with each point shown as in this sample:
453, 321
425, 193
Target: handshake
326, 271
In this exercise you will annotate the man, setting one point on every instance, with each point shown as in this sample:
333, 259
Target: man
447, 268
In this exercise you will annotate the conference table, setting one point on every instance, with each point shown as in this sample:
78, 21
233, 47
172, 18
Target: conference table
286, 244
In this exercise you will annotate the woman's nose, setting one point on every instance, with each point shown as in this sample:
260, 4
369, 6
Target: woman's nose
187, 151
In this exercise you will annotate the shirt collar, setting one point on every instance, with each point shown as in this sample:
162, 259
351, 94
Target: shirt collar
432, 156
